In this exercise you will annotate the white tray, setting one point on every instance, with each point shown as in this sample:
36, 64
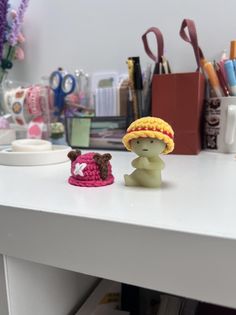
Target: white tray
58, 154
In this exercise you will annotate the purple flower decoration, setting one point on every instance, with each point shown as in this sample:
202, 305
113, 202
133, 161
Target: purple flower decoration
18, 20
3, 23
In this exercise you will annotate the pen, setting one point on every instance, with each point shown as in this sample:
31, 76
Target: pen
147, 91
224, 55
130, 64
222, 68
222, 80
165, 65
210, 71
230, 74
138, 84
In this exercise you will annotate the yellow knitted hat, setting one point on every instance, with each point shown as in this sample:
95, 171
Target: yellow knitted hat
150, 127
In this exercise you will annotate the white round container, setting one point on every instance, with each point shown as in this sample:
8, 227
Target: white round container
58, 154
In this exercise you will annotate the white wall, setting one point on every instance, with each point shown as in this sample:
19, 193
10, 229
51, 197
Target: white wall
100, 34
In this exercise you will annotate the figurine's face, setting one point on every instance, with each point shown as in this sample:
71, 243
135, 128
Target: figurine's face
147, 147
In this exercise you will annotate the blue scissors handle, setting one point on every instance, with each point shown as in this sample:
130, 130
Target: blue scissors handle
55, 80
68, 84
62, 85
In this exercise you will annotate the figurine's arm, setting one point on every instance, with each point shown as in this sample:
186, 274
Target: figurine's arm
157, 165
135, 163
140, 162
144, 163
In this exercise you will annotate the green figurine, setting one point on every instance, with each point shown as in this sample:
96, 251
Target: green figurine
148, 137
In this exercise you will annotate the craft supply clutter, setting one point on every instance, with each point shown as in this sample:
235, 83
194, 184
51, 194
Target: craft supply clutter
94, 110
28, 108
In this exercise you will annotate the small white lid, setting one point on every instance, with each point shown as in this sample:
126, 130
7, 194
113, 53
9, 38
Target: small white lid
31, 145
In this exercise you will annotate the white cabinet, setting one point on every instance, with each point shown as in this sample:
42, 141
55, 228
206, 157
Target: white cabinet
42, 290
4, 309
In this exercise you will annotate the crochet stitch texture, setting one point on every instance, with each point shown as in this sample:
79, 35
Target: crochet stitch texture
90, 175
150, 127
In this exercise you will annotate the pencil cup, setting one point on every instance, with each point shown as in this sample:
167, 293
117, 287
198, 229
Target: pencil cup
220, 124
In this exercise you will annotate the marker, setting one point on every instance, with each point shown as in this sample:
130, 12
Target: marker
230, 74
234, 63
202, 63
210, 71
233, 49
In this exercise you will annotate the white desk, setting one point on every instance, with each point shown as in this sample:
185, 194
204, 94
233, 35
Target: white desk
179, 239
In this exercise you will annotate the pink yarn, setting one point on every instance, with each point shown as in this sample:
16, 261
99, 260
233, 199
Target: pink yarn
90, 175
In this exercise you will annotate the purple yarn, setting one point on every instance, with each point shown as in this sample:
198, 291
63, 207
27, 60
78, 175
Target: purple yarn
3, 23
15, 29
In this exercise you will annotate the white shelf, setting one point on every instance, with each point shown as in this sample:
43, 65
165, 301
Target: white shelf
179, 239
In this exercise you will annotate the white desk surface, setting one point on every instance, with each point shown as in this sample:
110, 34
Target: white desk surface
180, 238
198, 194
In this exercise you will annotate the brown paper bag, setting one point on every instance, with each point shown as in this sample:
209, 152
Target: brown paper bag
179, 98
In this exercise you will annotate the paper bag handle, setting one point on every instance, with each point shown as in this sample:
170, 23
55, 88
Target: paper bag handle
159, 42
192, 39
